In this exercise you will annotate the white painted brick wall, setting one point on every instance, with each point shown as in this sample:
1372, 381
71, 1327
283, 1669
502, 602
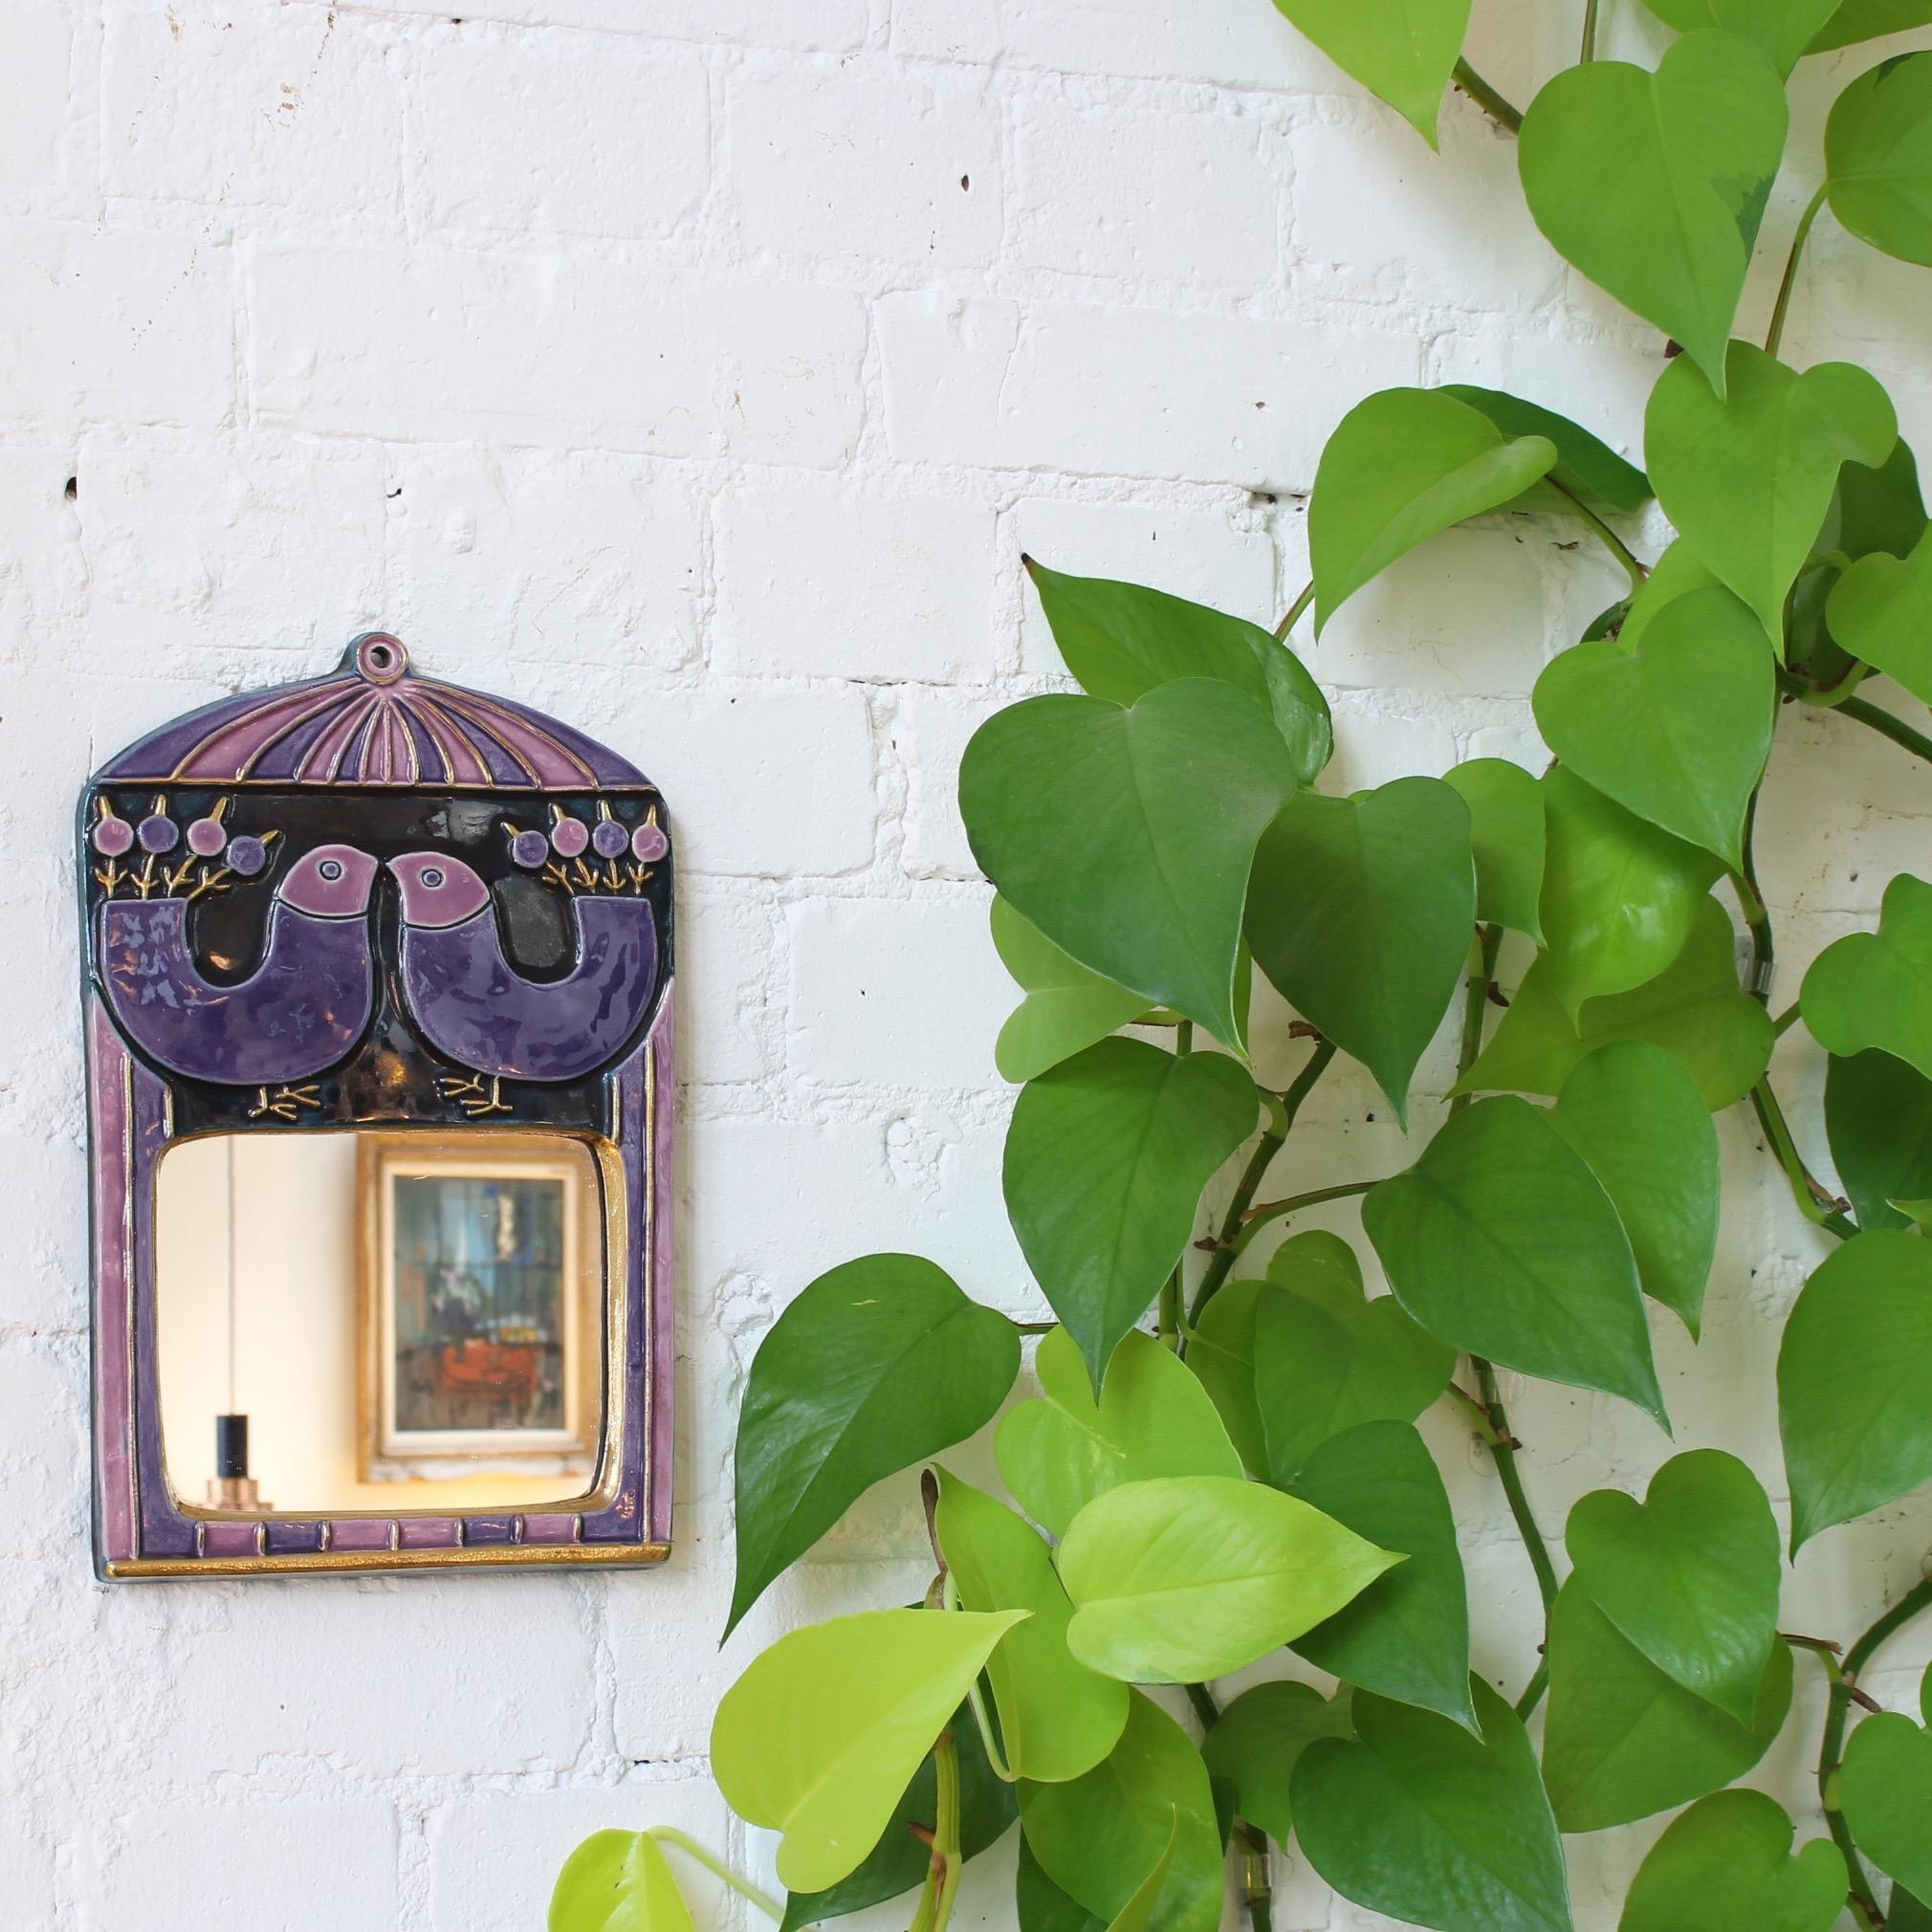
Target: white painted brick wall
699, 369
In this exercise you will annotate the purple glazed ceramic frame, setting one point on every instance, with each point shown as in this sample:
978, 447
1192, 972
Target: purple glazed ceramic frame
374, 753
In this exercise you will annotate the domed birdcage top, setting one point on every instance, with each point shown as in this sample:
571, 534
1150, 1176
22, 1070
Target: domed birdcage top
373, 721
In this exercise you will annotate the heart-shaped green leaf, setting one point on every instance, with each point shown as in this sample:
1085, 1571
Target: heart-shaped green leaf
1879, 508
1875, 989
1623, 1739
1190, 1577
1881, 610
1689, 1575
1259, 1739
1635, 1115
1360, 915
1858, 20
1407, 1636
1057, 1717
1127, 836
875, 1366
1040, 1905
1619, 894
1423, 1822
1138, 1913
1879, 157
1403, 466
824, 1730
1097, 1837
1066, 1007
1878, 1120
1152, 1419
1785, 29
1401, 51
618, 1881
1886, 1785
1502, 1241
1506, 836
1653, 185
1675, 727
1855, 1381
1120, 639
1106, 1159
1586, 466
1746, 474
1731, 1854
1693, 1009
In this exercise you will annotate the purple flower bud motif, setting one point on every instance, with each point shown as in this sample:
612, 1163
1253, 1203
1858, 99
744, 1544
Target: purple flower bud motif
568, 836
608, 838
112, 834
158, 833
205, 837
649, 841
529, 850
247, 856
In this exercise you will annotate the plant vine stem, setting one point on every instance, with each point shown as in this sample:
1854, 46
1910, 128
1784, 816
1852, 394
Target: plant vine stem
1817, 1207
1640, 571
1503, 1449
1588, 49
669, 1834
1775, 334
1486, 98
942, 1874
1751, 898
1295, 610
1256, 1219
1482, 952
1882, 721
1265, 1149
1257, 1891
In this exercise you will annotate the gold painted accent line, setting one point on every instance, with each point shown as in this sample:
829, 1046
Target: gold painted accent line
489, 1556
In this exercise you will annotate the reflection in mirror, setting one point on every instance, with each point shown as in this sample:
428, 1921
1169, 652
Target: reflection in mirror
381, 1320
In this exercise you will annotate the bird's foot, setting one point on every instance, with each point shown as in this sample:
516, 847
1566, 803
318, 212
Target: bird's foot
286, 1103
473, 1095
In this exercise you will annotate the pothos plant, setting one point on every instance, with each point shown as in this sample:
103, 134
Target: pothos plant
1222, 1469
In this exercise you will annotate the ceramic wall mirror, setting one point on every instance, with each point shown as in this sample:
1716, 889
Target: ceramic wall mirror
378, 1005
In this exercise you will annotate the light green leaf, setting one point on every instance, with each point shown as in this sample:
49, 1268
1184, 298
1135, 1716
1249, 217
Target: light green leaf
1868, 19
1066, 1007
1127, 836
1360, 913
1675, 727
1654, 184
1120, 639
1875, 989
1423, 1822
1855, 1381
1506, 835
1878, 158
1403, 466
1886, 1785
1097, 1836
1636, 1118
1878, 1120
1623, 1739
1401, 51
1152, 1419
1784, 29
1190, 1577
1106, 1159
875, 1366
1620, 895
1881, 610
1693, 1009
1407, 1636
1502, 1241
1747, 476
824, 1730
1259, 1740
1586, 466
1057, 1717
1690, 1575
618, 1881
1137, 1913
1730, 1853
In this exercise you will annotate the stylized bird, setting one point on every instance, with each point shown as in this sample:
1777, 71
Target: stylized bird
299, 1012
473, 1007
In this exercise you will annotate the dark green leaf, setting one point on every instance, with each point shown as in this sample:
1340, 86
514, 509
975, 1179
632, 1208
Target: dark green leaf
1401, 51
1502, 1241
1040, 1904
1423, 1822
1127, 836
1506, 835
1654, 184
1120, 639
1783, 28
1623, 1739
1407, 1636
1881, 611
1730, 1855
1066, 1008
1903, 1913
1877, 509
1106, 1159
1855, 1381
876, 1365
1879, 1117
1886, 1784
1875, 989
1259, 1740
1586, 466
1361, 912
1879, 157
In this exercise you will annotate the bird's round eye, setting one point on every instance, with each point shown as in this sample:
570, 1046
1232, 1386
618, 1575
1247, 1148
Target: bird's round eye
432, 875
330, 869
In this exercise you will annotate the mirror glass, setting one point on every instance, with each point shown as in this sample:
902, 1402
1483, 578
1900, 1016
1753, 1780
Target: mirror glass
384, 1322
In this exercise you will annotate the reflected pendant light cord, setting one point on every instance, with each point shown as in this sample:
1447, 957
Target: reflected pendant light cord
231, 1276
